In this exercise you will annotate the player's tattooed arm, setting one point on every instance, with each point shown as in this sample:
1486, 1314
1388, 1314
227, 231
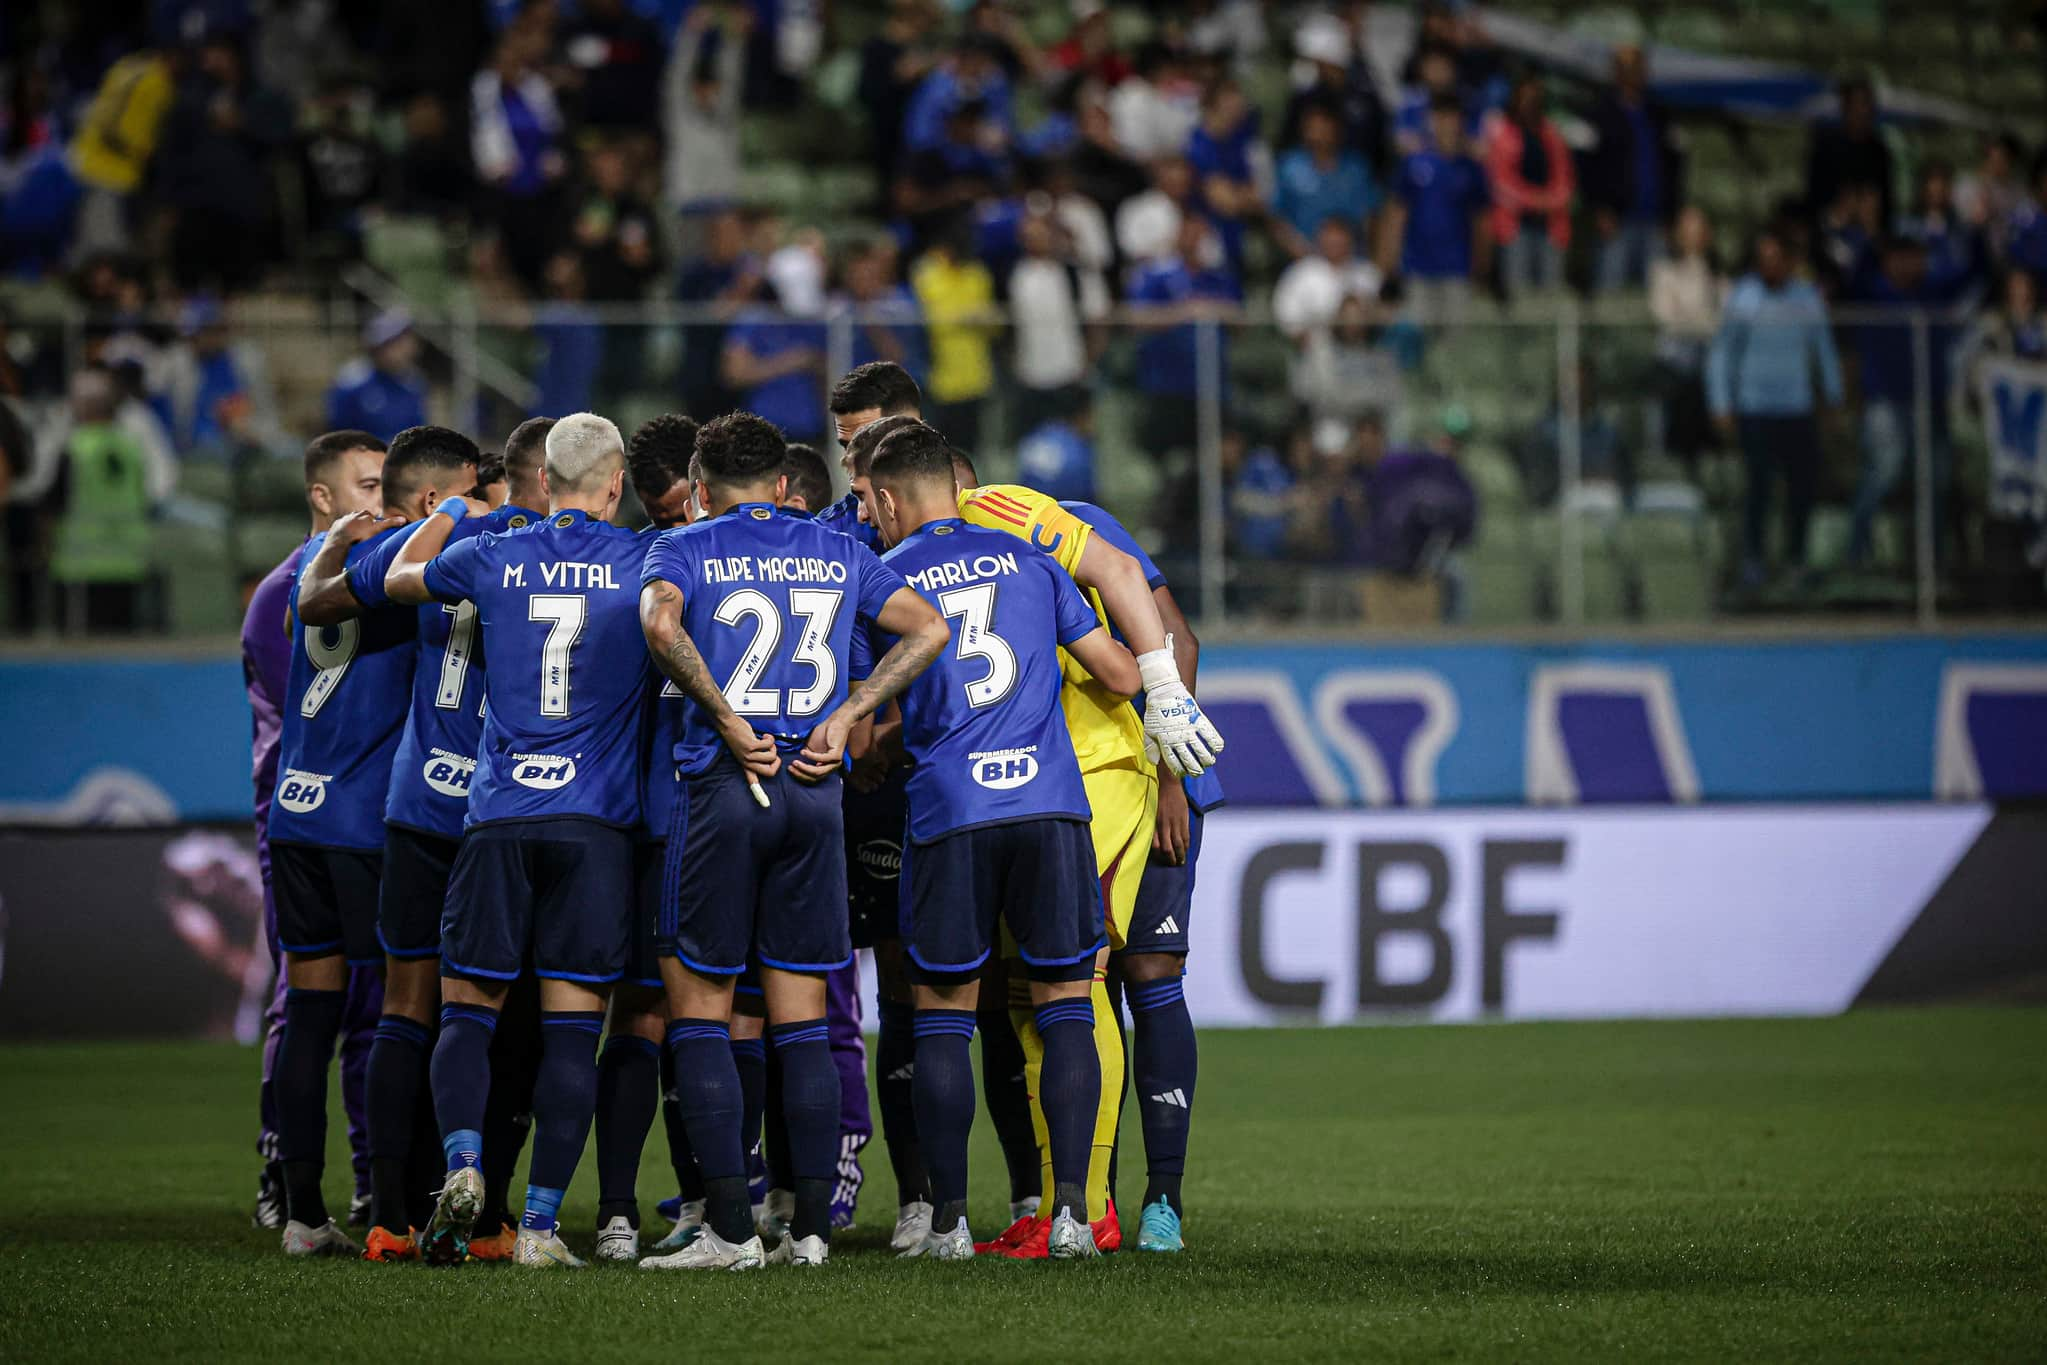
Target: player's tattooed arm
325, 599
679, 660
921, 635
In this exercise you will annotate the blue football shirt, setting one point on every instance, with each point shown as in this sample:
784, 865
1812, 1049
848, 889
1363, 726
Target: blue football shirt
1204, 793
983, 723
665, 704
771, 600
344, 712
844, 516
558, 616
436, 759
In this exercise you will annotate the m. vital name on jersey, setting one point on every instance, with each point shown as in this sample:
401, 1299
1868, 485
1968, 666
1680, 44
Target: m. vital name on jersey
543, 772
564, 574
449, 773
953, 572
773, 569
1003, 769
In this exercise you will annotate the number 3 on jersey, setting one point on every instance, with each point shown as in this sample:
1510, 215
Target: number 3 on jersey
817, 608
975, 609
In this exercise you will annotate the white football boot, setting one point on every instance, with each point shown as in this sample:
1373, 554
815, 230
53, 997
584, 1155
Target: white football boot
689, 1220
618, 1240
913, 1225
709, 1251
812, 1250
1070, 1239
325, 1240
957, 1245
771, 1216
544, 1251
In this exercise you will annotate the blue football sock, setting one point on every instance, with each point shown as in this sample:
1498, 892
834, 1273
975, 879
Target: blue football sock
628, 1079
707, 1092
895, 1069
682, 1158
1070, 1090
1164, 1063
543, 1205
945, 1106
1009, 1102
397, 1067
810, 1106
750, 1061
564, 1096
312, 1021
460, 1076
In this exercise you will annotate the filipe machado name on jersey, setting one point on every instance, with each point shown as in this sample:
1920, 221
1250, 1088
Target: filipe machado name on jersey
773, 569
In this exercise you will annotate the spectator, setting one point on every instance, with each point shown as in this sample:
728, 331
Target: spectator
617, 53
1084, 231
1230, 162
1759, 386
381, 391
885, 321
722, 282
1435, 230
515, 136
612, 230
2013, 530
1174, 296
572, 342
1148, 226
212, 170
1320, 180
1686, 290
971, 76
957, 294
432, 176
1633, 179
1057, 455
1225, 30
1341, 81
1052, 300
1155, 110
115, 142
1102, 170
1533, 184
773, 361
21, 522
1849, 154
1352, 365
701, 94
2028, 247
1990, 197
341, 166
1088, 51
1311, 289
1848, 233
1435, 80
100, 502
1260, 488
949, 177
893, 62
210, 386
1606, 469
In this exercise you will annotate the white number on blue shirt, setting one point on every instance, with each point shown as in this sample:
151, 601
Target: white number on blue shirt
564, 613
740, 692
818, 607
975, 608
332, 661
455, 659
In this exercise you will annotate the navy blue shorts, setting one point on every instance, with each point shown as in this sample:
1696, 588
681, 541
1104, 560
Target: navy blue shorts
327, 901
562, 888
1036, 876
650, 859
874, 858
1165, 899
770, 883
414, 891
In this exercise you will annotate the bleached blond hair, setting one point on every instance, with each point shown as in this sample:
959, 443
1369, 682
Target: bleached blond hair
583, 450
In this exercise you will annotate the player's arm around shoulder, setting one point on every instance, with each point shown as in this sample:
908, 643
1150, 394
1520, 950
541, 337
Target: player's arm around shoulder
324, 596
1105, 658
1029, 514
406, 581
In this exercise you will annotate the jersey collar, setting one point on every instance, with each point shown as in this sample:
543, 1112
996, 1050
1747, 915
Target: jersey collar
944, 525
568, 517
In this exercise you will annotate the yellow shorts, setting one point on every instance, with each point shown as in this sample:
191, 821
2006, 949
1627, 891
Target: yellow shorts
1125, 801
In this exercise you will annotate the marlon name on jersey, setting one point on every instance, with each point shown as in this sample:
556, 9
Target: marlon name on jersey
565, 573
1004, 769
773, 569
950, 573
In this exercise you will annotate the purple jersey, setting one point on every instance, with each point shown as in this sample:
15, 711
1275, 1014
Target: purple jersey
266, 666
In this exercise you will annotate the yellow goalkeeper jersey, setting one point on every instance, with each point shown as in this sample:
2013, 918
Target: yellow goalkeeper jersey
1106, 729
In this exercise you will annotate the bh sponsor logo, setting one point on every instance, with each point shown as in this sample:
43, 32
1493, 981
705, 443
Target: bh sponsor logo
881, 859
1003, 769
450, 773
543, 772
301, 792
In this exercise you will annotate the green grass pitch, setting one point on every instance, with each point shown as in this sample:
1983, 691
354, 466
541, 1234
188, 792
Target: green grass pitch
1865, 1188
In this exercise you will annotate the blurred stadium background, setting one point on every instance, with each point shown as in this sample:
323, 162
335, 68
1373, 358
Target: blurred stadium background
1620, 556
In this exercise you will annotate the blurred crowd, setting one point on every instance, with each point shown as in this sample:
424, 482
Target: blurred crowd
1030, 200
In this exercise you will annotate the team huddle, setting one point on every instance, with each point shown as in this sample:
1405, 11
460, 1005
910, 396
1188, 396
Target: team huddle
562, 781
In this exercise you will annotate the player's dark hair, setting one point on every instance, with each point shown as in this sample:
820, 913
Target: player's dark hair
660, 454
323, 451
490, 469
809, 477
739, 450
911, 453
860, 450
882, 385
963, 472
526, 453
417, 453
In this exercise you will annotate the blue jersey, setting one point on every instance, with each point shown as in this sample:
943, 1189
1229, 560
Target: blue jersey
983, 723
1204, 793
665, 704
844, 516
344, 710
557, 613
436, 759
771, 600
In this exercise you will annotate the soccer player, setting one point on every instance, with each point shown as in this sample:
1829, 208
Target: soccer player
545, 866
1149, 968
429, 794
866, 394
493, 489
1013, 847
344, 711
751, 612
344, 473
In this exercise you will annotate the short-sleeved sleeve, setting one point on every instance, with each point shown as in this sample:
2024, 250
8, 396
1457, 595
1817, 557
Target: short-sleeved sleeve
873, 582
866, 646
1072, 612
1029, 514
669, 560
454, 574
370, 561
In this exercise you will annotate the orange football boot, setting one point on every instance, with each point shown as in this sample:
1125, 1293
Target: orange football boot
496, 1247
384, 1245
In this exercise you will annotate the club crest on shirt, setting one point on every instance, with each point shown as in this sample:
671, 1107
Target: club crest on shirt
1003, 769
761, 514
516, 522
543, 772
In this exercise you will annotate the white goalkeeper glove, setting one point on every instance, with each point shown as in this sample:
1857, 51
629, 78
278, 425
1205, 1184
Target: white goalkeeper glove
1175, 732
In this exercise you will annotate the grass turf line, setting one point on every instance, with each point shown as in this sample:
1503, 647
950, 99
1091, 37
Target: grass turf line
1870, 1187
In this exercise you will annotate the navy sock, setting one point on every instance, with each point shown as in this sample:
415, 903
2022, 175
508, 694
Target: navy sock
1164, 1062
461, 1080
770, 1161
508, 1109
1070, 1089
397, 1068
945, 1106
810, 1105
312, 1021
895, 1070
628, 1078
707, 1091
1009, 1102
750, 1060
564, 1100
682, 1158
